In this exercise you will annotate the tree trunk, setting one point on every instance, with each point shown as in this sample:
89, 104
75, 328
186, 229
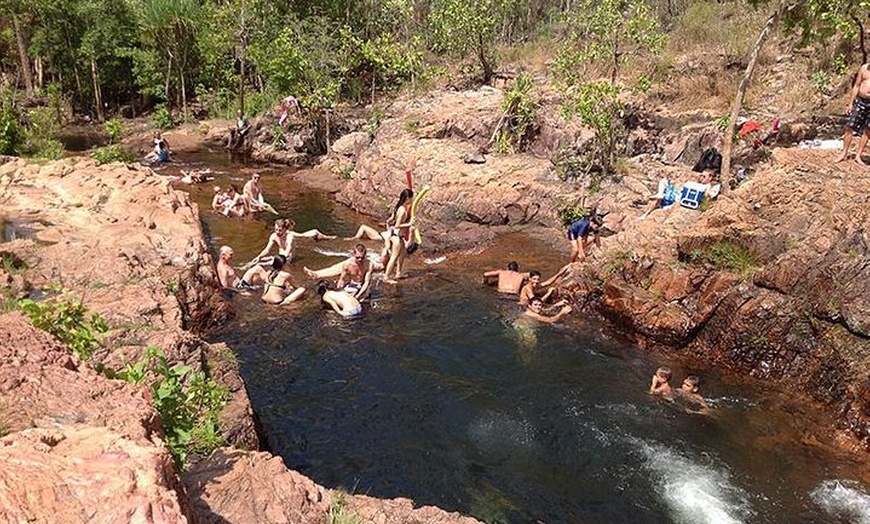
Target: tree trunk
860, 28
98, 95
481, 54
22, 57
328, 147
741, 94
40, 77
243, 52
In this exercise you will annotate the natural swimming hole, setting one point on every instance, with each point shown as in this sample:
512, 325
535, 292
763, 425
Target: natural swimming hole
437, 395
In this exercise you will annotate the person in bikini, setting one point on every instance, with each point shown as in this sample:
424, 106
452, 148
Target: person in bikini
859, 115
280, 288
396, 238
509, 280
283, 237
341, 302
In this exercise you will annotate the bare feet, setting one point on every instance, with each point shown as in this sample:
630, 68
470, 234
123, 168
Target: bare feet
842, 157
309, 273
321, 236
390, 281
859, 161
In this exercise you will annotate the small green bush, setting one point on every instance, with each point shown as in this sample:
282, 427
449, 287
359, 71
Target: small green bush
115, 128
162, 118
520, 110
45, 149
339, 513
725, 255
113, 153
10, 132
70, 322
189, 403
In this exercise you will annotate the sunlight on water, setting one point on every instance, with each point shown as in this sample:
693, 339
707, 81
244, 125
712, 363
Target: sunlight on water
496, 432
843, 499
695, 493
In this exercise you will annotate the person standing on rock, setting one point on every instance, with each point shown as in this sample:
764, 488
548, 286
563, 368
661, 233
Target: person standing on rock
578, 234
859, 115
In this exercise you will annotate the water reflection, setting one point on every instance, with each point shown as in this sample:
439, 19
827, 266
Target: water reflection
438, 394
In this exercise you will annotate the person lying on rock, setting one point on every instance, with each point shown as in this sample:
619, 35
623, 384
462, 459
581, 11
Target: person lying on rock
341, 302
534, 287
509, 280
536, 312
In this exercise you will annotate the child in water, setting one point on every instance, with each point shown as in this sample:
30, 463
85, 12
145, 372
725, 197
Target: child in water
661, 382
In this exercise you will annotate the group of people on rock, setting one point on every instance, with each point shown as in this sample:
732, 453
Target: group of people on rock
231, 202
353, 276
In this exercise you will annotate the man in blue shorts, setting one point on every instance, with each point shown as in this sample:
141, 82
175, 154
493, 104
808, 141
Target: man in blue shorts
578, 235
859, 115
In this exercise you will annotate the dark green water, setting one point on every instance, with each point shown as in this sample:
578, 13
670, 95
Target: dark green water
438, 395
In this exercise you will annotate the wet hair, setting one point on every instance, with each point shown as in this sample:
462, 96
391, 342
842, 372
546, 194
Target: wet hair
513, 266
278, 262
534, 273
664, 372
322, 288
536, 300
360, 248
404, 196
225, 250
283, 223
692, 380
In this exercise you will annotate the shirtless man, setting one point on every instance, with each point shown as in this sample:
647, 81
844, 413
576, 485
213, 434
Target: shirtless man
689, 394
283, 237
535, 311
253, 193
340, 301
859, 114
532, 287
510, 280
356, 274
227, 275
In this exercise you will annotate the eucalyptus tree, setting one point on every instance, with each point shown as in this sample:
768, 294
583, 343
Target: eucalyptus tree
169, 29
602, 33
464, 27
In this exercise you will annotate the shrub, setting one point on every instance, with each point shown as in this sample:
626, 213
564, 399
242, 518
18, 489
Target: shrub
520, 108
189, 403
113, 153
339, 513
162, 118
10, 132
115, 128
70, 322
725, 255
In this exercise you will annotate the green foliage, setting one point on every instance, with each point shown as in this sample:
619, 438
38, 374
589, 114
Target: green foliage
520, 110
189, 403
721, 123
11, 136
841, 67
162, 118
42, 130
572, 213
644, 83
820, 80
70, 322
598, 106
347, 172
115, 128
376, 117
339, 513
725, 255
114, 153
463, 27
